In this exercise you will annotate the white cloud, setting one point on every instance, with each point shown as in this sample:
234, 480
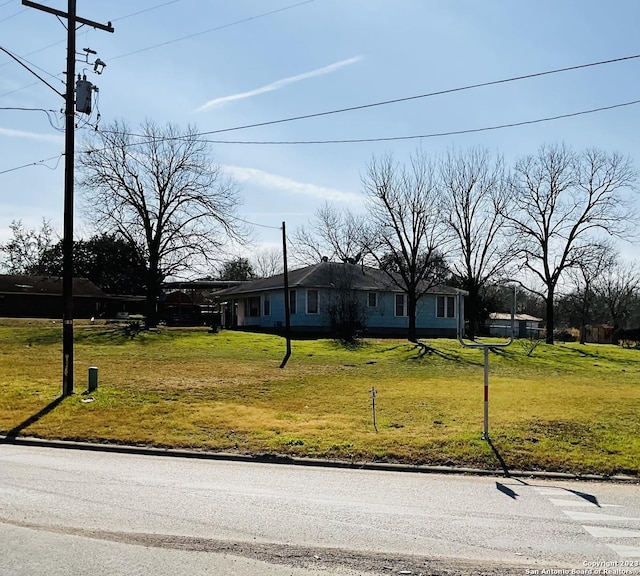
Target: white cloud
280, 83
31, 135
284, 184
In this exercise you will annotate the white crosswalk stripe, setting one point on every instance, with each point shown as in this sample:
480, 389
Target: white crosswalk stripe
596, 517
565, 498
605, 532
564, 502
625, 551
552, 491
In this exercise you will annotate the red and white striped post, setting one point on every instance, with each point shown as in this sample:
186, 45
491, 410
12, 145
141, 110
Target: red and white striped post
485, 429
486, 346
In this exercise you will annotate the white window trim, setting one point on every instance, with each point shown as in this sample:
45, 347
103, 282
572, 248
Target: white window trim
293, 294
266, 298
405, 312
446, 306
307, 301
247, 306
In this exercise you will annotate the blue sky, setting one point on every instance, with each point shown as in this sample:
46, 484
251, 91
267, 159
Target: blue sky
252, 61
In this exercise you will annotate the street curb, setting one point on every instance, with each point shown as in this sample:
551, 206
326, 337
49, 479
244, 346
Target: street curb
309, 462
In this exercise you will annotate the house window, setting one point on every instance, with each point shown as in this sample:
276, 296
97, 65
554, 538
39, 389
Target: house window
292, 302
401, 305
312, 301
446, 307
266, 305
372, 300
252, 306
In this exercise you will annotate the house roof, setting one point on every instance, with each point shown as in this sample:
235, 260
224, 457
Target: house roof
49, 285
329, 275
202, 284
517, 317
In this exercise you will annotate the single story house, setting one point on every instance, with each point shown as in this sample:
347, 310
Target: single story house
315, 292
41, 297
525, 326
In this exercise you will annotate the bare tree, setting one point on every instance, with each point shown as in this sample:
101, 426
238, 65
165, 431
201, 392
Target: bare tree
331, 234
160, 191
345, 306
407, 234
23, 252
475, 200
583, 278
267, 262
619, 289
562, 200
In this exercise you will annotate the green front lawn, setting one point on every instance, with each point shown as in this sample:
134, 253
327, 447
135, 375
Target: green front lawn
567, 408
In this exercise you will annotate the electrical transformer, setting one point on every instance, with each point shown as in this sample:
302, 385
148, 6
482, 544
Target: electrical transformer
83, 95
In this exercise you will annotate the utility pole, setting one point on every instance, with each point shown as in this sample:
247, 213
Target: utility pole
287, 305
69, 153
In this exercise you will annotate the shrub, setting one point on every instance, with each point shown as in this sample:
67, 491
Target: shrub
564, 336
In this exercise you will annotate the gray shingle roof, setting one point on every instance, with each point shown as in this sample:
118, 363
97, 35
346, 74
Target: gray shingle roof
20, 284
328, 275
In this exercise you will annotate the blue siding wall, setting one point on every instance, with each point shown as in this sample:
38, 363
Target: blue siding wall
382, 316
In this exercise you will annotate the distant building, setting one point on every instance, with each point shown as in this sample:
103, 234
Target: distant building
41, 297
599, 334
525, 326
193, 302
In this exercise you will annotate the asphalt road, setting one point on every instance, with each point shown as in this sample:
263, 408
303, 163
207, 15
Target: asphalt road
78, 512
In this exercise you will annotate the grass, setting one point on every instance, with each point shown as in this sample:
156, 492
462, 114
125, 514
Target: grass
565, 408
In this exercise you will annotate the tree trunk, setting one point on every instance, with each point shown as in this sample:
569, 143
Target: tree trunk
151, 317
153, 292
411, 312
472, 308
550, 316
615, 337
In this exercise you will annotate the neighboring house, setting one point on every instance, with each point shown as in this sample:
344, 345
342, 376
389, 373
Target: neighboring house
41, 297
525, 326
316, 290
192, 303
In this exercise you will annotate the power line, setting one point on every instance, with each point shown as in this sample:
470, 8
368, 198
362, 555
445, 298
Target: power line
35, 52
255, 223
162, 44
420, 96
264, 14
18, 89
38, 163
62, 41
18, 58
145, 10
430, 135
26, 109
47, 112
114, 20
13, 15
358, 140
363, 140
29, 69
